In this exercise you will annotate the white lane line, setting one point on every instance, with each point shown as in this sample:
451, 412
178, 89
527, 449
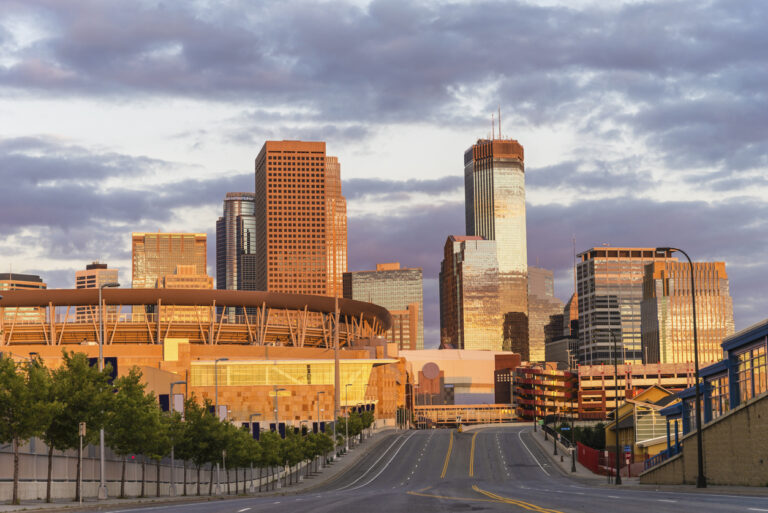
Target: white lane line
757, 509
384, 467
613, 496
529, 452
375, 462
665, 500
241, 510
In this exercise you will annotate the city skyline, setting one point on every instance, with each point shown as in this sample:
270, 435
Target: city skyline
664, 146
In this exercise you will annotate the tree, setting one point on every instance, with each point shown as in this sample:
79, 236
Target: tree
84, 395
129, 418
155, 440
271, 452
24, 408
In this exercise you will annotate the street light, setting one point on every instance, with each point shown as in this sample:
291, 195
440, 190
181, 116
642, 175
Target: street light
172, 490
102, 479
616, 403
276, 390
701, 479
216, 385
346, 412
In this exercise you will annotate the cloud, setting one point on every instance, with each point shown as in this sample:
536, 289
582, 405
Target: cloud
381, 189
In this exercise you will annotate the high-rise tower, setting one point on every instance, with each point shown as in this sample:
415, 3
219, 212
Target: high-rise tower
494, 188
235, 239
300, 218
94, 276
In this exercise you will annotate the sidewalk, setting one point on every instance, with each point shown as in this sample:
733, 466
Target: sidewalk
326, 474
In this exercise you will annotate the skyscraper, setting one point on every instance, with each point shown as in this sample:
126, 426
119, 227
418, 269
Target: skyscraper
398, 290
470, 317
545, 313
667, 330
235, 237
94, 276
16, 281
299, 210
186, 277
494, 188
336, 225
610, 290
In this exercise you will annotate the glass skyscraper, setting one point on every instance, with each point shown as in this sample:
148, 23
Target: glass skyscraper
545, 313
667, 328
494, 188
235, 239
398, 290
470, 317
610, 290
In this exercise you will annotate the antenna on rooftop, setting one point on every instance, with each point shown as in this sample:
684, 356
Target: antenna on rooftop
500, 122
493, 128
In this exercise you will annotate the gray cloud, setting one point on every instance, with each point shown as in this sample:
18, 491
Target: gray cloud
382, 190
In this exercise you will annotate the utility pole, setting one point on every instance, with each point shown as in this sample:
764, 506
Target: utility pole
336, 373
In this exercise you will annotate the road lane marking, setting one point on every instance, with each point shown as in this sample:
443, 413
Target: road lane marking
757, 509
665, 500
472, 457
447, 456
241, 510
375, 462
529, 452
384, 467
425, 488
445, 497
508, 500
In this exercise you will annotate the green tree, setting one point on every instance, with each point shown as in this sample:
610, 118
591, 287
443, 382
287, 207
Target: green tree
129, 418
271, 453
84, 395
24, 407
156, 436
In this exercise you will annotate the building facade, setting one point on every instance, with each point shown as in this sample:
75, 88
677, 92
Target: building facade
470, 316
545, 314
609, 285
236, 238
94, 276
156, 255
399, 290
494, 188
540, 390
16, 281
302, 237
667, 328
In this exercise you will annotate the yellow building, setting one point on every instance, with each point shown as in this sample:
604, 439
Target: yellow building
186, 277
640, 425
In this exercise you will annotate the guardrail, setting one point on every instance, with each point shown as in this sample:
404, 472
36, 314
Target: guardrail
662, 456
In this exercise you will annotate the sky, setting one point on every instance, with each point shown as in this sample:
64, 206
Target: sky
644, 124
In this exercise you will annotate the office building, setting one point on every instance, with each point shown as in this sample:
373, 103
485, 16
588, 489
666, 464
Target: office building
667, 328
610, 290
336, 226
400, 291
16, 281
236, 238
470, 317
301, 246
545, 314
541, 390
186, 277
156, 255
494, 188
94, 276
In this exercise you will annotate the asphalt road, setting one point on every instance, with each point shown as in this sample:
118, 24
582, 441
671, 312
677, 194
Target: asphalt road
494, 469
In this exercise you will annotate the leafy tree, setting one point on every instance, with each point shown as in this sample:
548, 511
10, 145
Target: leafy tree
291, 453
24, 407
155, 439
84, 395
129, 418
271, 452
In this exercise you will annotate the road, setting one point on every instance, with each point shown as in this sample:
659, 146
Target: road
493, 469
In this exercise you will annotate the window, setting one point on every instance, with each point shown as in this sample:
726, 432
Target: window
751, 374
719, 395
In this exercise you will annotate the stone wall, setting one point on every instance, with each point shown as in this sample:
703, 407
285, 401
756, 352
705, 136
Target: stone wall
735, 451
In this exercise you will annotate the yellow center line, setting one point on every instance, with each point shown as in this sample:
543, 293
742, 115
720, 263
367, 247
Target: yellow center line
519, 503
472, 457
447, 456
472, 499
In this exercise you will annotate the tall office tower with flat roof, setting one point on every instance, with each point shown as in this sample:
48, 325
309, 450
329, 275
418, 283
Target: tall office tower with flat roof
399, 290
494, 188
470, 317
94, 276
609, 285
235, 237
667, 330
299, 208
16, 281
156, 255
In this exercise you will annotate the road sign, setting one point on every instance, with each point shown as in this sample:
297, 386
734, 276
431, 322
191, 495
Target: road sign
627, 448
81, 429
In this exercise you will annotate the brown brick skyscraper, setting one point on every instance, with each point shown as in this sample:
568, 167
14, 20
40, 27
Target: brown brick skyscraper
300, 219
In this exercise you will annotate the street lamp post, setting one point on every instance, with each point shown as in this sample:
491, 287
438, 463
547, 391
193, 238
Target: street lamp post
346, 413
216, 385
276, 390
616, 402
318, 409
102, 465
252, 488
172, 489
701, 479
